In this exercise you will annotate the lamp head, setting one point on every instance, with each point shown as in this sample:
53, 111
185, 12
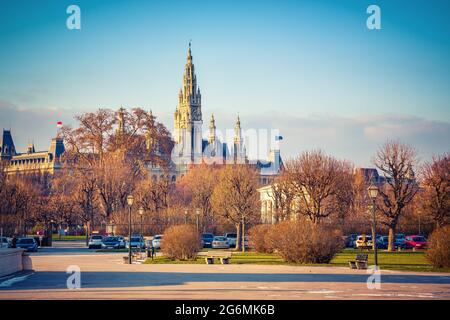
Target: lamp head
130, 200
373, 191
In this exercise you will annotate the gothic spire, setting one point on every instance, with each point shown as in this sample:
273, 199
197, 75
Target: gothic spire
121, 121
212, 129
237, 132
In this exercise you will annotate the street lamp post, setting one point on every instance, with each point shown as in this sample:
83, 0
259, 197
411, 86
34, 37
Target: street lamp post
243, 234
197, 211
373, 193
141, 213
130, 201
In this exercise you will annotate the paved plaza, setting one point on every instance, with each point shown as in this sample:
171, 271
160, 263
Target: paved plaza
104, 276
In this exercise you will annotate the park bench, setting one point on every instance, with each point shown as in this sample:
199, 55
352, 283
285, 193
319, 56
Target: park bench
360, 262
223, 256
136, 255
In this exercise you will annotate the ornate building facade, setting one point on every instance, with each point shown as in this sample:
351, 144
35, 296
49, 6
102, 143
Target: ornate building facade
31, 161
190, 146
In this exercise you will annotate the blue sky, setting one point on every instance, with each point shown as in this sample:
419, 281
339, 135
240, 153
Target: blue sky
309, 68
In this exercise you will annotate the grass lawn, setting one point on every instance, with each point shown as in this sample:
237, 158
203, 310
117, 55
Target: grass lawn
112, 250
405, 260
56, 237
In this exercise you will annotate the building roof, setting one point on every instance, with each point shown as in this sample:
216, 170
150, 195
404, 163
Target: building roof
7, 144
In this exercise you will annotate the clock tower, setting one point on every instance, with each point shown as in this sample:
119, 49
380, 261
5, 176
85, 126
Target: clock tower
188, 116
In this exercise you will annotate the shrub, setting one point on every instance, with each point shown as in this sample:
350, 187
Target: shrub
181, 242
304, 242
438, 252
259, 239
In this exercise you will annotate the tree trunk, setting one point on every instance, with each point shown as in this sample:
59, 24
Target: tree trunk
87, 233
243, 235
239, 237
391, 238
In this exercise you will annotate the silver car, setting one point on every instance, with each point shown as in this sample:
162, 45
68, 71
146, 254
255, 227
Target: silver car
220, 243
137, 241
156, 242
95, 241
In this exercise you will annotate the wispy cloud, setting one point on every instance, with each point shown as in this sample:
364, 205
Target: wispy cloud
353, 138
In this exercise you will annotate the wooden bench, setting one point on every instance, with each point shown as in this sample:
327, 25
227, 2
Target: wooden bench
360, 262
136, 255
223, 256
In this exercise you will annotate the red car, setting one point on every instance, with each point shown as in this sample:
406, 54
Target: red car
418, 242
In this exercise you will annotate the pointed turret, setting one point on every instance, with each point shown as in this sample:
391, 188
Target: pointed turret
239, 152
7, 148
149, 135
121, 121
212, 130
188, 115
237, 131
30, 148
410, 173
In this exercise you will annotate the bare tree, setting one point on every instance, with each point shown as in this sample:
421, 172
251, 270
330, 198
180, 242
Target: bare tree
115, 181
436, 183
282, 195
153, 194
322, 185
61, 201
85, 195
197, 188
117, 148
395, 161
90, 140
235, 197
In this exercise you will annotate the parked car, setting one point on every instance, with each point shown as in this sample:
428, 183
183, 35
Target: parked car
232, 237
95, 241
364, 242
122, 242
29, 244
111, 243
207, 239
383, 242
400, 239
350, 240
137, 241
156, 242
5, 242
220, 243
416, 241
